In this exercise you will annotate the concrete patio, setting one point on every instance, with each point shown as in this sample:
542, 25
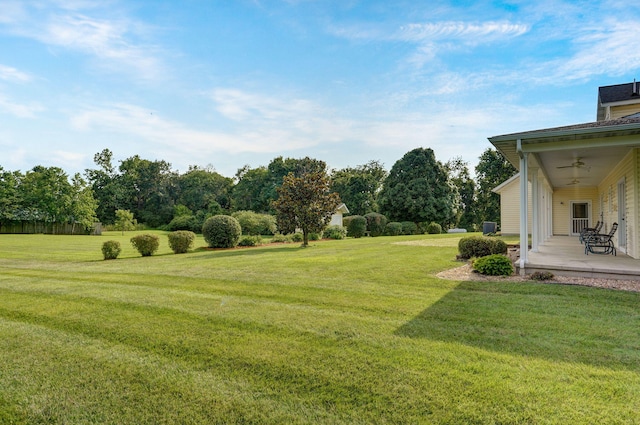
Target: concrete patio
564, 256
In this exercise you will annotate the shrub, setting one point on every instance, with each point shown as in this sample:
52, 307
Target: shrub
375, 223
250, 240
145, 244
279, 238
181, 240
480, 246
335, 232
393, 229
494, 265
221, 231
357, 226
409, 228
296, 237
253, 223
314, 236
111, 250
184, 222
434, 228
541, 276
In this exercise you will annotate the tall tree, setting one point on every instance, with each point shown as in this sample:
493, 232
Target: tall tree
460, 177
10, 197
252, 190
418, 189
359, 187
305, 202
492, 170
107, 185
203, 189
83, 203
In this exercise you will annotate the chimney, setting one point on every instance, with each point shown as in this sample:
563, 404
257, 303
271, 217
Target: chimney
635, 88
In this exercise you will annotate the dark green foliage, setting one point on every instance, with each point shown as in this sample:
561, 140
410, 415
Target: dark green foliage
434, 228
305, 202
409, 228
250, 240
221, 231
358, 187
492, 170
145, 244
315, 236
280, 238
541, 276
357, 226
465, 213
494, 265
393, 229
480, 246
111, 250
253, 223
296, 237
418, 189
180, 241
376, 223
335, 232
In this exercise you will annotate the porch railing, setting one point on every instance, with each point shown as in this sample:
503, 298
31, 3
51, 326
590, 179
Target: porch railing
578, 225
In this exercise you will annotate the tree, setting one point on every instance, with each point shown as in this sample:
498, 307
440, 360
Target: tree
252, 191
458, 171
418, 189
47, 195
492, 170
305, 202
10, 197
83, 204
108, 187
359, 187
203, 189
125, 221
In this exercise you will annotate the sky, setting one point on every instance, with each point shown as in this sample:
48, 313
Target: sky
229, 83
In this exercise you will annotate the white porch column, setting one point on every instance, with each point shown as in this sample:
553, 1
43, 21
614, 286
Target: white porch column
524, 206
535, 210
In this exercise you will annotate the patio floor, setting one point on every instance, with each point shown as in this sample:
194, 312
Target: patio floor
564, 256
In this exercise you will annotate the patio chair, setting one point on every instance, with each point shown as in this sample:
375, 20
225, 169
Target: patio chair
598, 243
590, 231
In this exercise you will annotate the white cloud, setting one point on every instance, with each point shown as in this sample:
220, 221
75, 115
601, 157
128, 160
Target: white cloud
468, 32
17, 109
8, 73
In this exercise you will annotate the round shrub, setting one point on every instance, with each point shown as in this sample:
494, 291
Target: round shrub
434, 228
335, 232
250, 240
314, 236
280, 238
475, 246
494, 265
541, 276
296, 237
253, 223
183, 222
393, 229
111, 250
498, 246
357, 226
145, 244
181, 240
375, 223
409, 228
221, 231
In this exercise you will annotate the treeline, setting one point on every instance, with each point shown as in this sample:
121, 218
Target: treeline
418, 188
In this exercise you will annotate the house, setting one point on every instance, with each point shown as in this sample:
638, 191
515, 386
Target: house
578, 174
336, 217
509, 192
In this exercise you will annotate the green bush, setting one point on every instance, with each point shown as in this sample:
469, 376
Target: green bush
375, 223
184, 222
181, 240
409, 228
253, 223
280, 238
541, 276
296, 237
357, 226
145, 244
111, 250
393, 229
314, 236
335, 232
494, 265
221, 231
250, 240
480, 246
434, 228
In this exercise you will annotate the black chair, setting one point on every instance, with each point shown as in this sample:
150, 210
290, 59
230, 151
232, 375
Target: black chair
590, 231
597, 243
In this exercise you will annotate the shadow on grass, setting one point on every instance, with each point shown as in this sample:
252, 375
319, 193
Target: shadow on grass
250, 250
553, 322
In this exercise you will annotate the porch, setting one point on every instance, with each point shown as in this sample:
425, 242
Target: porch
564, 256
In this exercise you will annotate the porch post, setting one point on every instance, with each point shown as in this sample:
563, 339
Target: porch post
535, 210
524, 206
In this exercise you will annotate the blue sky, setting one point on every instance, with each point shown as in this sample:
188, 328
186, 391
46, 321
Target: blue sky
229, 83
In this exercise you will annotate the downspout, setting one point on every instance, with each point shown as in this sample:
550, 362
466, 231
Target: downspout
524, 205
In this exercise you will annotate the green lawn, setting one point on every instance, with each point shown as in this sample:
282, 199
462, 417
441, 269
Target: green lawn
343, 332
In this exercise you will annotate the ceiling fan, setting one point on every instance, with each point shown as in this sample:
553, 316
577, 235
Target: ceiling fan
576, 164
574, 181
